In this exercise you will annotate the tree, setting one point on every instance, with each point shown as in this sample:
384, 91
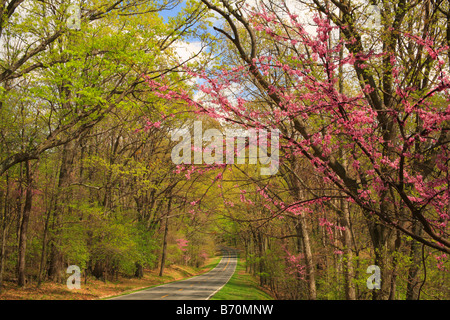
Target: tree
57, 86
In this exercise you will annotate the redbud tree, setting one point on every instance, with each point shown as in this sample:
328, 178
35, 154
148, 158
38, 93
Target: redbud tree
379, 134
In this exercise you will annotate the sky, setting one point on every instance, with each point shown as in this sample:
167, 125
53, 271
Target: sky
171, 13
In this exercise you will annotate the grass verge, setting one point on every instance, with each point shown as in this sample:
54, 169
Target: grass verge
241, 286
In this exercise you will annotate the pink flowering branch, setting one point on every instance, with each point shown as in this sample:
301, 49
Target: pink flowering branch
384, 141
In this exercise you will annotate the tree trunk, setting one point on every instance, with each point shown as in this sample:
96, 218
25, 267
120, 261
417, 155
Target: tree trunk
397, 243
164, 249
166, 229
412, 288
2, 255
56, 256
261, 262
310, 270
4, 233
304, 235
24, 227
44, 248
348, 252
139, 273
300, 248
380, 235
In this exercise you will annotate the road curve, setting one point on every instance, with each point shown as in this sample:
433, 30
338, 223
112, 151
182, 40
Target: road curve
201, 287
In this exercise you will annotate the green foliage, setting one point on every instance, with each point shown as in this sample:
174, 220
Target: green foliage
146, 245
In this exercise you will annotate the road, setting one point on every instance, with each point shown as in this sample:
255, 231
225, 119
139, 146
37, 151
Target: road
200, 287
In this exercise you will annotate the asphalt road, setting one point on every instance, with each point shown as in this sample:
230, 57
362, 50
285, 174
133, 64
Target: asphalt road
200, 287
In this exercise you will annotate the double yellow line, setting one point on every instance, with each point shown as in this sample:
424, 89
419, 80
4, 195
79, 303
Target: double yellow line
228, 261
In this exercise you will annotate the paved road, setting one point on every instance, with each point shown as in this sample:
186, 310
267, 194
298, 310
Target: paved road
201, 287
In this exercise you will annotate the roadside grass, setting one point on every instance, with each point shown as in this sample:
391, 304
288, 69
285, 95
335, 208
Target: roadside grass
97, 289
241, 286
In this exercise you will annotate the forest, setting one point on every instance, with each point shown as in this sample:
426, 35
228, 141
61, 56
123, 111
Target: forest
312, 135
